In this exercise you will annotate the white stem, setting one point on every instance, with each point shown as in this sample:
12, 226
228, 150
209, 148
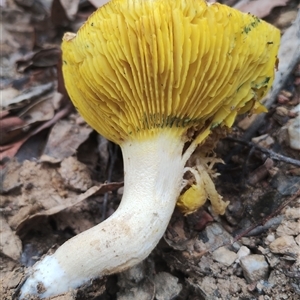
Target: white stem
153, 174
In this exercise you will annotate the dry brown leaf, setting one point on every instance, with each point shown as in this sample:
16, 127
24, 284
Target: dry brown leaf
10, 150
47, 57
64, 140
259, 8
39, 111
10, 128
27, 96
16, 31
3, 113
8, 94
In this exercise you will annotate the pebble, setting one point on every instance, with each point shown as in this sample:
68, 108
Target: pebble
244, 251
144, 290
249, 241
224, 256
270, 238
263, 285
215, 236
254, 267
133, 275
284, 245
288, 228
292, 213
294, 133
272, 259
166, 286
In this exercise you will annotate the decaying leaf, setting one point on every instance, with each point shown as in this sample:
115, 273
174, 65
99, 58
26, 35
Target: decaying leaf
64, 140
9, 150
11, 127
39, 111
43, 58
27, 96
8, 94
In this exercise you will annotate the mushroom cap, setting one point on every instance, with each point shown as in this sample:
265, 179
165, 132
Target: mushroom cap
137, 67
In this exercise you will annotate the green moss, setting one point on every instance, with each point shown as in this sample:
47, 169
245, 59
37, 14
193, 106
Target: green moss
252, 25
261, 84
160, 121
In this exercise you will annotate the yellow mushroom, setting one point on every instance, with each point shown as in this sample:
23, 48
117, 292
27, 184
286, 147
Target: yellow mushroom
156, 77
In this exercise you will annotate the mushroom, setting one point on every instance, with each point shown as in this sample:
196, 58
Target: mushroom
158, 78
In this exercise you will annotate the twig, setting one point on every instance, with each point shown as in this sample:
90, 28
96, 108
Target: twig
267, 218
273, 155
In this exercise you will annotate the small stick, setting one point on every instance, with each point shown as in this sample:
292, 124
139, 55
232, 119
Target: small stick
267, 218
273, 155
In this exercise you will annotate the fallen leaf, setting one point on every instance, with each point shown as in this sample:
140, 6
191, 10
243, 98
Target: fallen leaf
11, 127
64, 140
259, 8
10, 150
3, 113
16, 31
42, 59
39, 111
27, 96
8, 94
